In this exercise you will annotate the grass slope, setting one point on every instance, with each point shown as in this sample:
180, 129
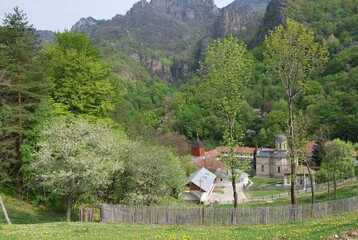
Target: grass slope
344, 191
319, 229
21, 212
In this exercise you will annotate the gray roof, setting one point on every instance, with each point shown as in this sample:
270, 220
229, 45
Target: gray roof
197, 144
264, 153
270, 153
280, 155
202, 178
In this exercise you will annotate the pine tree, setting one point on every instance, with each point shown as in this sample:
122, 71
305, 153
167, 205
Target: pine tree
21, 89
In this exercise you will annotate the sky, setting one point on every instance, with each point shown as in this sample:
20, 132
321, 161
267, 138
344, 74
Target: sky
58, 15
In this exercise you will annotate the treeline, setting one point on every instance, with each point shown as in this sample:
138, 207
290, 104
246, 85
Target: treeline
61, 132
329, 99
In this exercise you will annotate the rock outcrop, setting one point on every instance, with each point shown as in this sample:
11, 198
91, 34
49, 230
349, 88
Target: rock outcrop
256, 5
88, 25
233, 20
274, 16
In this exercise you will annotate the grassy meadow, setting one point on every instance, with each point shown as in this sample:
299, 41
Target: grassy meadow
32, 223
319, 229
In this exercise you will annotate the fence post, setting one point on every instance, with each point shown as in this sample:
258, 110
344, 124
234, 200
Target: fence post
85, 214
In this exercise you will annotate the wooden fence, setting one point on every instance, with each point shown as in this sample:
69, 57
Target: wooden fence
215, 216
85, 214
318, 187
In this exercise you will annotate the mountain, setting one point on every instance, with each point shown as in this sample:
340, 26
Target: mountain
275, 15
45, 35
167, 37
256, 5
234, 20
88, 24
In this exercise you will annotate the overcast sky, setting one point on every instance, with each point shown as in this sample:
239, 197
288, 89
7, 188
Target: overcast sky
63, 14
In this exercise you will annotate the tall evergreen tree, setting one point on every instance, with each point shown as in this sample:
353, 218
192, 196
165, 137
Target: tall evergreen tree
20, 91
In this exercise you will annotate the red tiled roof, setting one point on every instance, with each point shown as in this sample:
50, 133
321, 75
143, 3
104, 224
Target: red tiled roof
249, 150
212, 164
212, 154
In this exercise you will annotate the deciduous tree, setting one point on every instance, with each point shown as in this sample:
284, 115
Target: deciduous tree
293, 56
76, 157
80, 80
226, 72
339, 158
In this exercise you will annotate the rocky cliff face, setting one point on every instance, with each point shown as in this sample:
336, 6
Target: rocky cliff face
87, 25
233, 20
158, 68
199, 14
274, 16
256, 5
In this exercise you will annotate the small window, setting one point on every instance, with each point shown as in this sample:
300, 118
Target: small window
278, 169
262, 168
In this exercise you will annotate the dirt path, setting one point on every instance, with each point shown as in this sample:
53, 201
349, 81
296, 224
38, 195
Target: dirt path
351, 235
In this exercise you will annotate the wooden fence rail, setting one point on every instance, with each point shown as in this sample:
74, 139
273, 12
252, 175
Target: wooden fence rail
214, 216
302, 188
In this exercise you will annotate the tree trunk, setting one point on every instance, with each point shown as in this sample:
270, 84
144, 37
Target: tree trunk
234, 211
329, 192
4, 211
291, 145
68, 210
19, 101
312, 186
235, 192
312, 190
335, 184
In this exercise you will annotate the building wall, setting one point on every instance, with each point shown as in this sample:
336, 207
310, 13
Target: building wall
262, 167
271, 167
277, 167
198, 151
193, 187
301, 180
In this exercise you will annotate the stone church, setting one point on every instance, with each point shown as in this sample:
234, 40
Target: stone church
273, 162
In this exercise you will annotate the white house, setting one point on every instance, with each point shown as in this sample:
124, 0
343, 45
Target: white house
199, 186
223, 177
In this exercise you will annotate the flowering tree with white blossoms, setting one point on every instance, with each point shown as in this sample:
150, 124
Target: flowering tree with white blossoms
76, 157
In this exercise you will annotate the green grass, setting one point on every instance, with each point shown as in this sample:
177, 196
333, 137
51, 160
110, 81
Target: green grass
318, 229
263, 193
21, 212
258, 181
52, 226
345, 191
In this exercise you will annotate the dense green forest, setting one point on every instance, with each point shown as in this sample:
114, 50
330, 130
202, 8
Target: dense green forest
67, 101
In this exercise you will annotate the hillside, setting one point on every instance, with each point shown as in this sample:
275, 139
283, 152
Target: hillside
166, 37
